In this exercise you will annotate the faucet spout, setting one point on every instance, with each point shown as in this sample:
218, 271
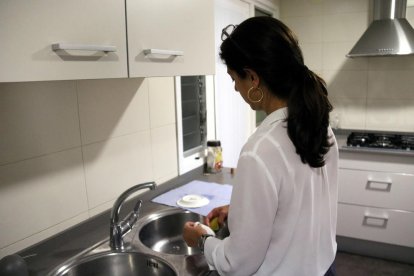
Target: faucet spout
119, 229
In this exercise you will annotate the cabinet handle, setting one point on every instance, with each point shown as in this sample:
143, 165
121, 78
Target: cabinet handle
374, 221
163, 52
384, 186
83, 47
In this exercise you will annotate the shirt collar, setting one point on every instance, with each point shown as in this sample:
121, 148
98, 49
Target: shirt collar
277, 115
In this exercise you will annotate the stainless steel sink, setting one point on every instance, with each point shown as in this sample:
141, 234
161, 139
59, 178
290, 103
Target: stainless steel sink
116, 263
154, 247
162, 232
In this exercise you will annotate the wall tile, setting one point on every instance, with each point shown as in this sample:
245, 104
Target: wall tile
391, 85
349, 112
165, 178
312, 54
348, 6
103, 207
301, 8
390, 115
346, 84
37, 118
162, 101
334, 57
164, 149
39, 193
307, 29
113, 166
408, 107
344, 27
410, 15
45, 233
111, 108
391, 63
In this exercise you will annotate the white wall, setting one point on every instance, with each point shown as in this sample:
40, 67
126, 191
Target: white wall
235, 120
374, 93
232, 113
69, 148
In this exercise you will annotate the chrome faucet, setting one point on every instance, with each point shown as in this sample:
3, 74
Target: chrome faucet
118, 229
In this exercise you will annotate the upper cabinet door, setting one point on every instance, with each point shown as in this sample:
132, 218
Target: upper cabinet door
170, 38
89, 38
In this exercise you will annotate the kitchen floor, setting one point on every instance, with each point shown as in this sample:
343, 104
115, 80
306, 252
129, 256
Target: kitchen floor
356, 265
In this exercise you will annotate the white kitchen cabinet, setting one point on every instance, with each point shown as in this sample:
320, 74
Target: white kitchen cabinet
29, 28
183, 31
378, 189
376, 194
376, 224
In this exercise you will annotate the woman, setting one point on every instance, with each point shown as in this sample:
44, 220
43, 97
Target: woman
282, 213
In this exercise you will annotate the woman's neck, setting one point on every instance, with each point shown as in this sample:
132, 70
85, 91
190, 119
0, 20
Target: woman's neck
273, 104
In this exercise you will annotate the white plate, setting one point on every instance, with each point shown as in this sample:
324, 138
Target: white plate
193, 201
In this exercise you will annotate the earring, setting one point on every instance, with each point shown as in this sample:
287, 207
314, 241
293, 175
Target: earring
257, 89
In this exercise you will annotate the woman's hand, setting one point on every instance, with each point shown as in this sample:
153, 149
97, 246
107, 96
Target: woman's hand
219, 212
192, 233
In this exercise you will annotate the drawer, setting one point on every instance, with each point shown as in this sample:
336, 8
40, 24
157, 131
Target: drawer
397, 163
376, 224
377, 189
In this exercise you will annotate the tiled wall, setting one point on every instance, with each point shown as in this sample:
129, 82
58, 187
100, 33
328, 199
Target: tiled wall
69, 148
375, 93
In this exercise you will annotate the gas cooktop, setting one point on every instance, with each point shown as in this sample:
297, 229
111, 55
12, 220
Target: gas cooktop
381, 140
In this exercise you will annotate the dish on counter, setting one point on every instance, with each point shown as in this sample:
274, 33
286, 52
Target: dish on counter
193, 201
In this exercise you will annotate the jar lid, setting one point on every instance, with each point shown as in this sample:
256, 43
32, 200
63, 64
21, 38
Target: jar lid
213, 143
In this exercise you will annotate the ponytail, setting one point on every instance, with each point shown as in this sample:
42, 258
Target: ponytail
308, 118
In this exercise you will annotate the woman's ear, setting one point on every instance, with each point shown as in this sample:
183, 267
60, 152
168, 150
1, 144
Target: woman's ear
253, 77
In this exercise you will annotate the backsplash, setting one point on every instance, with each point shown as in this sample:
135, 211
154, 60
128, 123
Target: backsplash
69, 148
375, 93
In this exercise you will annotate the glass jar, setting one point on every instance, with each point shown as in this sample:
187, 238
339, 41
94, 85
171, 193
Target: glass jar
214, 160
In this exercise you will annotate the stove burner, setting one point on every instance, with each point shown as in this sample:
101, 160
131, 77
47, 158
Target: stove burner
381, 140
407, 142
385, 141
359, 139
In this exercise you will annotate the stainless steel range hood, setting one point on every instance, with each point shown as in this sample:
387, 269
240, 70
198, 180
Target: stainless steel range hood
389, 34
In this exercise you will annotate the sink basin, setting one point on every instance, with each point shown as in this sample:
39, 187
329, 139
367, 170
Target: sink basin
116, 263
163, 232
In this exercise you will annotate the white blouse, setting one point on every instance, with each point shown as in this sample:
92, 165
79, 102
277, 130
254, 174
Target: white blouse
282, 215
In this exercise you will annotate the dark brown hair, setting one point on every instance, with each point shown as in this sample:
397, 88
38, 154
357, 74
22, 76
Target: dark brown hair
270, 48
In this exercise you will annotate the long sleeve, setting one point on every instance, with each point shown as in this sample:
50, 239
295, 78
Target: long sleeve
251, 216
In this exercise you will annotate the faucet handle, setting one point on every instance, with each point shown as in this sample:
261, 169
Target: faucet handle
138, 206
128, 223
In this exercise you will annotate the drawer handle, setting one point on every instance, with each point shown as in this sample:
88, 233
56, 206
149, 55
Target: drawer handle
83, 47
374, 185
374, 221
163, 52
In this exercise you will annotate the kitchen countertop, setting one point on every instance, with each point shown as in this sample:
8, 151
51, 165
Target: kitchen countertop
46, 255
